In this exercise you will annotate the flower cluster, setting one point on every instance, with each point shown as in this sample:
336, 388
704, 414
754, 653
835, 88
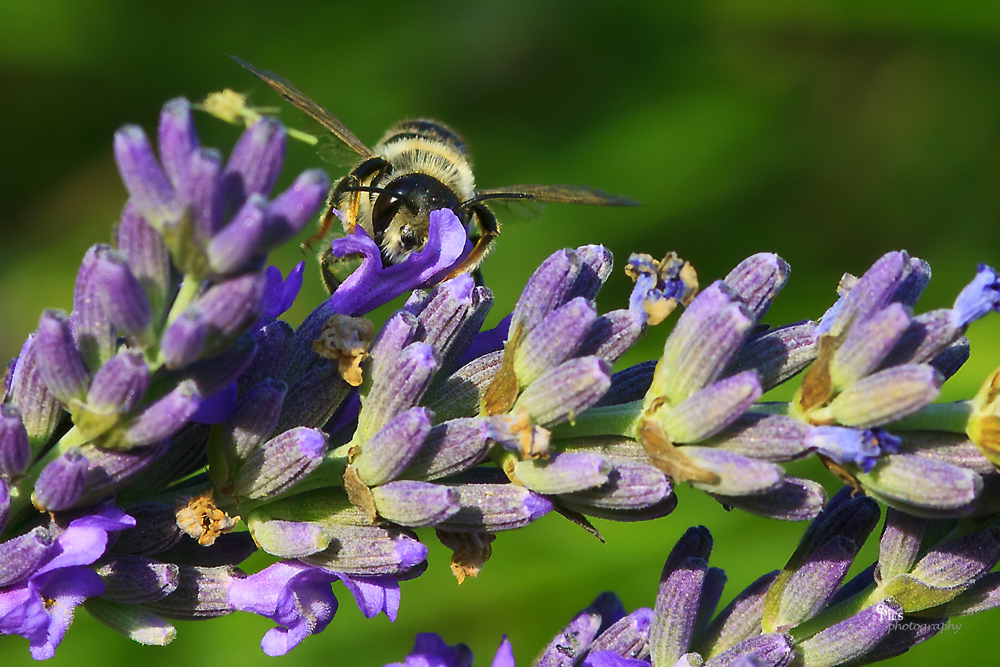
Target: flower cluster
171, 425
927, 571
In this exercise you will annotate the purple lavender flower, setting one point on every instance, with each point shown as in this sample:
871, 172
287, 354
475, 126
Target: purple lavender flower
39, 606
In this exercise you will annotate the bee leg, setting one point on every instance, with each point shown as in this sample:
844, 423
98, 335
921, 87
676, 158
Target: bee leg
330, 280
374, 166
489, 230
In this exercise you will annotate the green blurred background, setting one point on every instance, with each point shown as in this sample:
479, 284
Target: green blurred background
829, 132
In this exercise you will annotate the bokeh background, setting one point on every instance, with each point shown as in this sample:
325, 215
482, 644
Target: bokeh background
827, 131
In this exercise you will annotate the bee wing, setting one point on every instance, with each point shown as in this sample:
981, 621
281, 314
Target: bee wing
312, 109
563, 194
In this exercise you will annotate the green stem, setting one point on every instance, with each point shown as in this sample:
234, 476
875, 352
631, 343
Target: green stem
952, 417
189, 289
606, 420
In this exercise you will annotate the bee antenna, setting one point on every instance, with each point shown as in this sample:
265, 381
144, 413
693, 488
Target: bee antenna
496, 195
381, 191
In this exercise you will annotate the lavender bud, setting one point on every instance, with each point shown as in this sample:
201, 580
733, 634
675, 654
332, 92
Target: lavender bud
628, 637
122, 298
112, 470
495, 507
572, 641
916, 276
227, 549
119, 384
203, 194
565, 473
951, 358
778, 354
451, 316
793, 500
289, 539
184, 340
553, 340
40, 410
313, 399
202, 592
954, 448
229, 306
392, 448
177, 139
899, 545
61, 482
397, 333
631, 485
980, 596
60, 363
767, 650
629, 384
852, 638
867, 343
293, 208
677, 602
451, 447
135, 579
706, 336
255, 162
549, 287
811, 586
134, 622
736, 475
711, 409
565, 391
946, 571
22, 555
923, 486
414, 368
887, 396
369, 551
767, 437
15, 451
185, 454
415, 504
274, 341
280, 463
461, 393
872, 292
162, 418
90, 322
757, 280
740, 620
147, 256
155, 530
611, 335
597, 263
215, 373
147, 185
254, 420
237, 242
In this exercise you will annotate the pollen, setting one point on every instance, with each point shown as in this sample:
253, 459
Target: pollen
201, 519
345, 339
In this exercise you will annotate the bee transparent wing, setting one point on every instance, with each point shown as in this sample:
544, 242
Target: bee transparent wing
563, 194
311, 108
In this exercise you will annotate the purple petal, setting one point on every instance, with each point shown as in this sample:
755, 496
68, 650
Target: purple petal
374, 594
371, 285
978, 297
218, 407
279, 294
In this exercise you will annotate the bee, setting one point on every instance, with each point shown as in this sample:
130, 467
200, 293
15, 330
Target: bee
417, 167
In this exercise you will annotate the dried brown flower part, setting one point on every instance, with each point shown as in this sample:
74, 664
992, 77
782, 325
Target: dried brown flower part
346, 339
201, 519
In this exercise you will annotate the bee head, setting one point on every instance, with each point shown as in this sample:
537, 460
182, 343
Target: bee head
401, 213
